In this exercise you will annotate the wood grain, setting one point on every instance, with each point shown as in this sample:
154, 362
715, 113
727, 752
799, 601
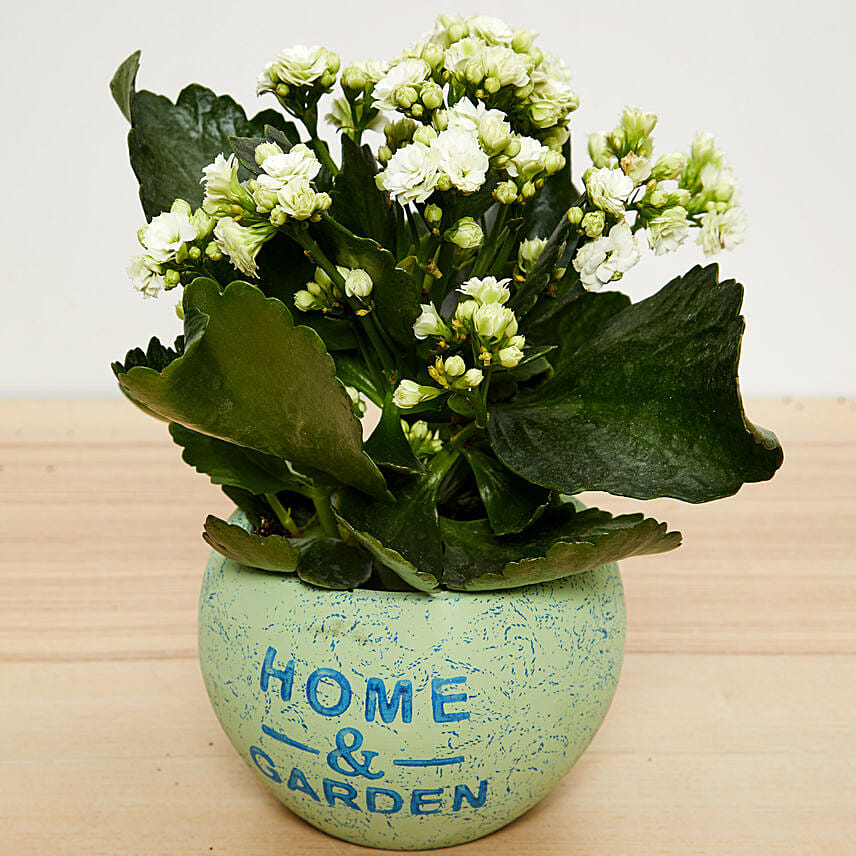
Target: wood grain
731, 733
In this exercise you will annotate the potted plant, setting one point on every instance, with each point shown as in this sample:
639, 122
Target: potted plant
410, 633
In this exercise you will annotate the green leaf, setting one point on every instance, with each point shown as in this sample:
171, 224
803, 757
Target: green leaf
250, 377
581, 319
648, 407
245, 147
267, 553
122, 84
170, 143
352, 371
512, 503
254, 507
396, 293
404, 536
358, 204
563, 542
332, 564
226, 463
387, 446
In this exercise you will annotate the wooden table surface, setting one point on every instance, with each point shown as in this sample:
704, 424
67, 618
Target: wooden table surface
732, 731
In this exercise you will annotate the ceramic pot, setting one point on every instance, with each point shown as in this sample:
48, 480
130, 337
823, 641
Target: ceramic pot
409, 721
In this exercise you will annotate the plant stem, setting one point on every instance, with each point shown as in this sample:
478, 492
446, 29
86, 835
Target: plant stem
283, 515
321, 499
310, 121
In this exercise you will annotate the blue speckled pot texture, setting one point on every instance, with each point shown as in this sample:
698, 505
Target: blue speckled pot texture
409, 721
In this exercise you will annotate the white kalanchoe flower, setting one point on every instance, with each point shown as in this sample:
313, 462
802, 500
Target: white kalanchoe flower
722, 231
242, 243
408, 394
429, 323
411, 174
529, 161
300, 201
358, 283
146, 275
608, 189
552, 99
717, 182
358, 75
493, 30
669, 167
461, 159
488, 289
607, 258
167, 233
528, 253
394, 88
636, 168
507, 68
470, 379
223, 192
493, 321
299, 162
465, 60
668, 230
302, 66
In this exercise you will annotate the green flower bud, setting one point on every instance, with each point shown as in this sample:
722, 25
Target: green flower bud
179, 206
528, 190
432, 53
669, 166
431, 95
455, 366
425, 134
264, 150
358, 283
213, 252
353, 78
575, 215
172, 279
384, 153
599, 151
553, 162
433, 214
505, 192
593, 224
408, 393
466, 234
512, 148
305, 301
194, 253
528, 253
522, 40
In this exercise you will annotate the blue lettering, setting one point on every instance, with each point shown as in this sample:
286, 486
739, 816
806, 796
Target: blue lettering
462, 792
420, 798
371, 800
269, 769
334, 790
297, 782
376, 701
286, 675
344, 692
439, 701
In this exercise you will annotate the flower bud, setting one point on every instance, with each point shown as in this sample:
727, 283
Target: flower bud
488, 289
455, 366
575, 215
471, 378
358, 283
425, 134
431, 95
528, 253
433, 214
466, 234
429, 323
213, 252
194, 253
593, 223
172, 279
306, 301
505, 192
464, 311
264, 150
408, 393
179, 206
522, 40
553, 162
432, 53
509, 357
669, 166
354, 78
494, 321
528, 190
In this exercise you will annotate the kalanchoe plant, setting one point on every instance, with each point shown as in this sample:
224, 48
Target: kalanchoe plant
453, 277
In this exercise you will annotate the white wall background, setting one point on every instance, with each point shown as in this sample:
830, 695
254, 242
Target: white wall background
773, 80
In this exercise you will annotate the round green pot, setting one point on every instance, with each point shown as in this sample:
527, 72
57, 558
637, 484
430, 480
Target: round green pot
409, 721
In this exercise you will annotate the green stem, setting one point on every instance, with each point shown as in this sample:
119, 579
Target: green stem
310, 121
321, 499
283, 515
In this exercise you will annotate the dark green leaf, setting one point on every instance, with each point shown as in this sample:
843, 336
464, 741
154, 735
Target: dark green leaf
563, 542
122, 84
267, 553
254, 507
582, 319
249, 376
277, 130
512, 503
170, 143
403, 535
332, 564
648, 407
358, 204
396, 293
387, 446
226, 463
352, 371
156, 356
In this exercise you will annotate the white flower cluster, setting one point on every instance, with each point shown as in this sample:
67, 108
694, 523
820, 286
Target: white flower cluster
248, 213
450, 374
168, 241
301, 68
492, 325
460, 156
324, 294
